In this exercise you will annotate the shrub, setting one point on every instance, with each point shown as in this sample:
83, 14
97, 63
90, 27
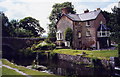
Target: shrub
45, 46
48, 41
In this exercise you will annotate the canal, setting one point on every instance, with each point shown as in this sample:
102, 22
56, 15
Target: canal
64, 68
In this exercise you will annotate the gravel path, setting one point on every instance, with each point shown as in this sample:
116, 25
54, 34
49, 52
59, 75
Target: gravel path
17, 70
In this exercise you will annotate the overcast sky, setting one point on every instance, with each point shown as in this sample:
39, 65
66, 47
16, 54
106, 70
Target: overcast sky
41, 9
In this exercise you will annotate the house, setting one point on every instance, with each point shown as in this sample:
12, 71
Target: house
89, 29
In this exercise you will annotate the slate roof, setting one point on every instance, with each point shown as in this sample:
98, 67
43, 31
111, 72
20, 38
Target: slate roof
102, 28
84, 16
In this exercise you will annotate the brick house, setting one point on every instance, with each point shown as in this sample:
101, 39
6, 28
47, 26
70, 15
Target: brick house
89, 29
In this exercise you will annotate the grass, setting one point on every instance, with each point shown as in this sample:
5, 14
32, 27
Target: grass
7, 71
101, 54
33, 73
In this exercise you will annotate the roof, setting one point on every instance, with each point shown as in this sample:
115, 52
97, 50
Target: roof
102, 28
90, 15
74, 17
84, 16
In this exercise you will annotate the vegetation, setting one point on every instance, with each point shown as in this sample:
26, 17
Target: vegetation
32, 25
113, 23
68, 35
26, 27
33, 73
119, 50
55, 16
45, 46
6, 71
102, 54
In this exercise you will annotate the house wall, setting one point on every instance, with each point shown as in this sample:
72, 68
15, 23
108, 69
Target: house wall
63, 24
76, 40
87, 41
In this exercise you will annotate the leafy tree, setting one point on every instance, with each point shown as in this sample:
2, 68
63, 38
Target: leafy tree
15, 25
55, 16
31, 24
115, 23
68, 35
5, 25
20, 32
112, 20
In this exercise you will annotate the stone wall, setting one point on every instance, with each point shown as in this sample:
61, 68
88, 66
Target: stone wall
74, 59
85, 60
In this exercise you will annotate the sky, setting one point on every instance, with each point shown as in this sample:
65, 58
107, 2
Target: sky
41, 9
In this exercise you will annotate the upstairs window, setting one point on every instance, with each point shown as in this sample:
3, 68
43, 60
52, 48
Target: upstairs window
87, 23
88, 33
79, 34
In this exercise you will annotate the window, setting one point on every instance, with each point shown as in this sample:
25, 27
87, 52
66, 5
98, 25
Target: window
88, 33
103, 33
79, 34
88, 23
59, 35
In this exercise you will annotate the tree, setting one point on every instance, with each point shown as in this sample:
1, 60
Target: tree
68, 35
15, 25
5, 25
112, 20
56, 15
32, 25
115, 23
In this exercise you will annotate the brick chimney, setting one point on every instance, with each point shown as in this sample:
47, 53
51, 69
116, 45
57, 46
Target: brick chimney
98, 9
65, 10
86, 11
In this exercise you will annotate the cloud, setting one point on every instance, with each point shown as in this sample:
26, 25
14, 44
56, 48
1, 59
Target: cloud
110, 6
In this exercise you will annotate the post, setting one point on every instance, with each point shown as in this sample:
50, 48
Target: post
98, 45
119, 49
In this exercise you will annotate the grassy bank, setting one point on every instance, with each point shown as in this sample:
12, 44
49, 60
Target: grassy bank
6, 71
101, 54
33, 73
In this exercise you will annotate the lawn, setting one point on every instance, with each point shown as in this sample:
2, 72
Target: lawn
101, 54
33, 73
6, 71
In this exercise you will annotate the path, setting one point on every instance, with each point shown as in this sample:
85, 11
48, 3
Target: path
17, 70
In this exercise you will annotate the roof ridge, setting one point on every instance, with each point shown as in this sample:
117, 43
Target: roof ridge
89, 12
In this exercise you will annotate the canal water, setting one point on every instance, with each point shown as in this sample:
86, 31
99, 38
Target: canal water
64, 68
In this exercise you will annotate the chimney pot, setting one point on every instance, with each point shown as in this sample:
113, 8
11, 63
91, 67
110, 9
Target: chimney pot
86, 11
98, 9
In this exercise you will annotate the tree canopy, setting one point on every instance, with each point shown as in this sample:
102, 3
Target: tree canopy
113, 22
32, 25
26, 27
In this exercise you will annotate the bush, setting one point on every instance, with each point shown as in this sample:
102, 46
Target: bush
47, 46
48, 41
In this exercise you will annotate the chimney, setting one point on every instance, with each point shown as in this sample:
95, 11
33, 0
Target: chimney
65, 10
98, 9
86, 11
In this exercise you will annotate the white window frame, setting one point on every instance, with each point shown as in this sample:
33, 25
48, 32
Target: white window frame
100, 34
59, 35
79, 34
88, 33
